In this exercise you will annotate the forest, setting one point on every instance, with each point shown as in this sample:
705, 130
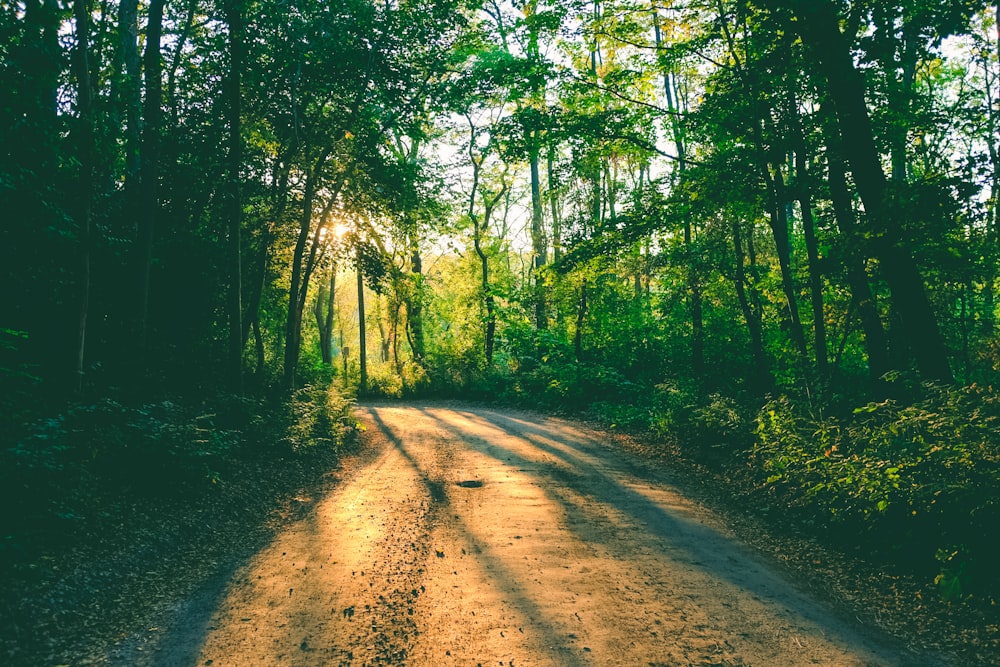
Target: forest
763, 231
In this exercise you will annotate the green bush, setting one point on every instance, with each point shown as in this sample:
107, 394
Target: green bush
127, 446
672, 405
318, 416
384, 381
922, 477
720, 422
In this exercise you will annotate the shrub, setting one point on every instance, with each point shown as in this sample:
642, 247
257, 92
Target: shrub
720, 422
672, 405
318, 417
922, 477
384, 381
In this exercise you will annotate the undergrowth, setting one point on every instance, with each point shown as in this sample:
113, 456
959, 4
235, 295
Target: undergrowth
919, 478
78, 471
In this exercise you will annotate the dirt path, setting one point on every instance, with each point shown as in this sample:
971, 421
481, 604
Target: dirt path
489, 537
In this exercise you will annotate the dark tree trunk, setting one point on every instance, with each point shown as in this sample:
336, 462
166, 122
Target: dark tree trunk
258, 346
804, 192
362, 347
131, 99
293, 320
751, 314
554, 206
234, 18
819, 26
279, 203
778, 220
323, 312
581, 314
415, 304
993, 225
384, 340
876, 343
537, 242
85, 151
697, 316
693, 278
479, 228
328, 323
314, 249
150, 173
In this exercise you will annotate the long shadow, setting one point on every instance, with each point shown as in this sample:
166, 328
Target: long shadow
493, 564
181, 643
700, 543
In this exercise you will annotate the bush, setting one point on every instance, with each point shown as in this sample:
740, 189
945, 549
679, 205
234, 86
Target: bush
923, 477
673, 404
126, 446
318, 417
384, 381
720, 422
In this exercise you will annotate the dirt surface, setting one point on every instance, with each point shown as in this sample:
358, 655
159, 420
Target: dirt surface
478, 536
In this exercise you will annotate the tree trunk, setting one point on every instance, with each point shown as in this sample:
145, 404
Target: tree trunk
778, 220
384, 339
314, 247
693, 278
538, 249
479, 228
85, 152
819, 27
554, 206
362, 348
751, 314
320, 315
993, 224
414, 305
258, 345
394, 329
323, 311
131, 99
149, 172
876, 343
804, 193
235, 205
279, 203
327, 330
293, 320
581, 314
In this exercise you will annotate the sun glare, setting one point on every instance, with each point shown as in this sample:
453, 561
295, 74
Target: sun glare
340, 229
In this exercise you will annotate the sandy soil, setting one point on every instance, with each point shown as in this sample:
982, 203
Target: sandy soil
491, 537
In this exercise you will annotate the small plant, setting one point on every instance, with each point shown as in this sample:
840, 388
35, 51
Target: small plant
953, 578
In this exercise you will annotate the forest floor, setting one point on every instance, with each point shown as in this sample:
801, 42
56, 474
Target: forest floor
469, 535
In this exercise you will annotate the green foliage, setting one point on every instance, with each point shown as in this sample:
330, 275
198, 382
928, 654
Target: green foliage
140, 448
711, 427
920, 475
318, 417
953, 579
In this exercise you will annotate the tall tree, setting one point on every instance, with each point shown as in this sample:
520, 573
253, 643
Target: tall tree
85, 152
819, 25
150, 172
233, 12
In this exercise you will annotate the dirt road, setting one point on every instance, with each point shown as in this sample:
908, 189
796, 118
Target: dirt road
490, 537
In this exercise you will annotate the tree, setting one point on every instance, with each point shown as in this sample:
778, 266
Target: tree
818, 23
233, 13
